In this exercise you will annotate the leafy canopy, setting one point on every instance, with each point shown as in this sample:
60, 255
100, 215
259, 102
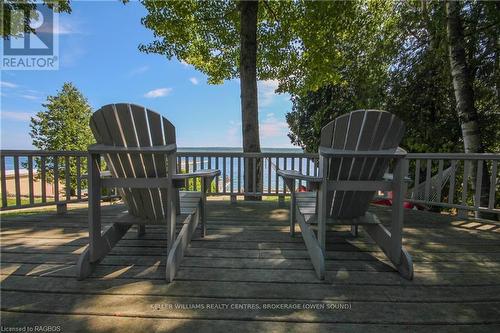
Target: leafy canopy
302, 44
409, 76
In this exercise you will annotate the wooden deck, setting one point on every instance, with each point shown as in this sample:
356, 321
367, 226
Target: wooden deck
248, 275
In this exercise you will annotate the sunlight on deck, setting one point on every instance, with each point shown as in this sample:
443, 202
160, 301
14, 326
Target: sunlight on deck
248, 257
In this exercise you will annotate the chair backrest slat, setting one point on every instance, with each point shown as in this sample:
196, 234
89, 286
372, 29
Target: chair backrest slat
359, 130
129, 125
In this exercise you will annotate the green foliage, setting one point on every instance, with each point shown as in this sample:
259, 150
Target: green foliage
15, 25
194, 184
409, 77
303, 44
204, 34
316, 109
64, 125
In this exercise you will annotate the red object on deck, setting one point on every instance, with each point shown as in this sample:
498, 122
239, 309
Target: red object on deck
302, 188
388, 202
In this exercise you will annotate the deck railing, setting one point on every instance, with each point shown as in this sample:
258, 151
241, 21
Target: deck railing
35, 178
455, 181
38, 178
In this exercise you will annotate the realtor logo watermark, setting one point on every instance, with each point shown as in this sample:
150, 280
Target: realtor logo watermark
32, 47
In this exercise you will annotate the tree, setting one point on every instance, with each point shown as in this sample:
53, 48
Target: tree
302, 44
464, 93
248, 83
218, 38
15, 25
416, 81
64, 125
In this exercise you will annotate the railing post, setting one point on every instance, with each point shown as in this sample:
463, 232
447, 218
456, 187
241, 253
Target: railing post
62, 208
4, 181
463, 213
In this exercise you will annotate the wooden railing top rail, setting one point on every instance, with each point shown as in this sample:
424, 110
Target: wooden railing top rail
221, 152
13, 152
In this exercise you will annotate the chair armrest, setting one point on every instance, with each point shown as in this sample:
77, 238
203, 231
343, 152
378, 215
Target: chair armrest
293, 174
206, 173
100, 148
390, 177
388, 153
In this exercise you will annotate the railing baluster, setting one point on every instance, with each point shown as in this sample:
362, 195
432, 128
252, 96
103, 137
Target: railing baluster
30, 180
195, 161
209, 165
254, 174
4, 181
493, 185
67, 172
465, 182
300, 170
231, 173
269, 167
479, 182
224, 175
417, 180
428, 175
43, 179
285, 166
245, 175
217, 177
17, 181
451, 190
440, 181
56, 179
78, 178
276, 166
239, 175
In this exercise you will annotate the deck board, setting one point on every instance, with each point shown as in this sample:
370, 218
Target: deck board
248, 257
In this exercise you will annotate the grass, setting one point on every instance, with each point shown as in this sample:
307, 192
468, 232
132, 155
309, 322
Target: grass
24, 201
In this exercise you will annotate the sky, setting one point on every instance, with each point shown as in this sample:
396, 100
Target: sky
98, 53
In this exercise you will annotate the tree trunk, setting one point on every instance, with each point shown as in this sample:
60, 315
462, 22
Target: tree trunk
249, 104
464, 95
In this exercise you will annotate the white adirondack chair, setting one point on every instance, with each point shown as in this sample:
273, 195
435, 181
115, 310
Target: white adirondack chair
139, 148
355, 150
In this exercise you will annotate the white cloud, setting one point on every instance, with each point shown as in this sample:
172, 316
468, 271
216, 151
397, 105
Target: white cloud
183, 63
5, 84
267, 91
30, 97
139, 70
18, 116
160, 92
194, 80
272, 127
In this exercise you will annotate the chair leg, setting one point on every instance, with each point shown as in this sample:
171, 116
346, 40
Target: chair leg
402, 260
102, 246
84, 267
313, 246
